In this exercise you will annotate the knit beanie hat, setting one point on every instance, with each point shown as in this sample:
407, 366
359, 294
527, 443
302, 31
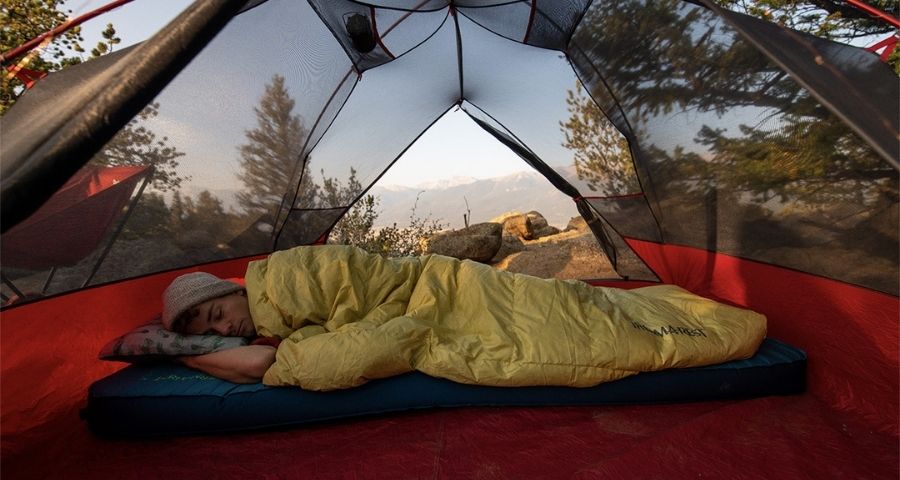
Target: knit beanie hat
190, 290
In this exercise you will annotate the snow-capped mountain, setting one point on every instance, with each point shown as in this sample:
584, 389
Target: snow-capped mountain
449, 200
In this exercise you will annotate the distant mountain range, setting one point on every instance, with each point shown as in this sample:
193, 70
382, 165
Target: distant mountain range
445, 200
487, 198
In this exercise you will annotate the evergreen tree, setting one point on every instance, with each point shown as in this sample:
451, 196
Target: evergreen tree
24, 20
177, 213
686, 65
602, 158
137, 145
208, 214
832, 19
270, 159
109, 39
150, 218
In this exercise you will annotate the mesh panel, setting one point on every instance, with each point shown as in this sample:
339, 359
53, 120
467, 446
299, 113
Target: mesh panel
306, 227
546, 24
554, 22
372, 131
734, 155
374, 36
853, 84
523, 87
510, 21
405, 5
533, 92
402, 31
628, 264
256, 139
225, 137
630, 215
297, 193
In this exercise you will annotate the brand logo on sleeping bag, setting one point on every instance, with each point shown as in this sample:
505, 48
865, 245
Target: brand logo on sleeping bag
670, 330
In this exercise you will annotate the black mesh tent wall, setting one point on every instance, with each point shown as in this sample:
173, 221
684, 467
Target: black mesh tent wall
729, 97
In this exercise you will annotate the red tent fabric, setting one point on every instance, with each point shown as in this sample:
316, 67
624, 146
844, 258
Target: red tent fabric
70, 225
849, 332
827, 432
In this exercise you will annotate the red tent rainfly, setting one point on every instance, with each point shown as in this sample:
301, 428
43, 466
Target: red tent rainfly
69, 226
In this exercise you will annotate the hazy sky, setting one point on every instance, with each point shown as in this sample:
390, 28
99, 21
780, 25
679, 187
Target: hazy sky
455, 137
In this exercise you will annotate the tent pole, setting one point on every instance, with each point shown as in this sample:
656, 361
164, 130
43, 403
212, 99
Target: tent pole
49, 279
874, 12
13, 53
12, 286
119, 228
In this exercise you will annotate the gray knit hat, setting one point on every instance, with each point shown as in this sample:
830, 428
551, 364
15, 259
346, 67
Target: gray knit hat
190, 290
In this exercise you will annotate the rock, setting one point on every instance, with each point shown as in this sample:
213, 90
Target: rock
510, 244
527, 226
545, 232
538, 221
540, 226
519, 225
577, 223
578, 257
487, 228
538, 260
479, 242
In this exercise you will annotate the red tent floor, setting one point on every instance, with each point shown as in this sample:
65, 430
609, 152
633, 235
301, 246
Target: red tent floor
771, 438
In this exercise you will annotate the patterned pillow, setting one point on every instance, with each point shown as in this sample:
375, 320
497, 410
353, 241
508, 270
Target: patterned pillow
152, 341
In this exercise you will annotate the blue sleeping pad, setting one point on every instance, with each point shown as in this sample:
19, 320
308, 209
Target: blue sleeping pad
170, 399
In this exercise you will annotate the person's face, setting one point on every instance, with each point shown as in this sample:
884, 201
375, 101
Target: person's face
227, 316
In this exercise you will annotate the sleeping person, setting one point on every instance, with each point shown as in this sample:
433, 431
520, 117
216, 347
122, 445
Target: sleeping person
203, 304
340, 317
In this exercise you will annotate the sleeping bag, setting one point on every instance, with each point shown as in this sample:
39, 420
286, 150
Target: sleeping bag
347, 316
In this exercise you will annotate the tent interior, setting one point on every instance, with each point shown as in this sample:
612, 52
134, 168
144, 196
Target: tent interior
731, 156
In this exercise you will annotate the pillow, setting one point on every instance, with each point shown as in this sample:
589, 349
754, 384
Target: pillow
152, 341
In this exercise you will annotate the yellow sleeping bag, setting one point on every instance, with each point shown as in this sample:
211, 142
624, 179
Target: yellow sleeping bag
347, 317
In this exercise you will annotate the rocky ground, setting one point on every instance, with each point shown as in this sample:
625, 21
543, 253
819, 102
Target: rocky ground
525, 243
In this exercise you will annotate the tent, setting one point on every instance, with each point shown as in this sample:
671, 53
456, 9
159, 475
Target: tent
71, 225
708, 149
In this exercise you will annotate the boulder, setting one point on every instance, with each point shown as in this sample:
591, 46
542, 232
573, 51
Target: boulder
479, 242
518, 225
510, 244
538, 221
539, 225
527, 226
545, 232
577, 223
578, 257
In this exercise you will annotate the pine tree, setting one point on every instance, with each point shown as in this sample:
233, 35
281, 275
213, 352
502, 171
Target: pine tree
137, 145
687, 66
24, 20
602, 158
176, 213
271, 158
150, 218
